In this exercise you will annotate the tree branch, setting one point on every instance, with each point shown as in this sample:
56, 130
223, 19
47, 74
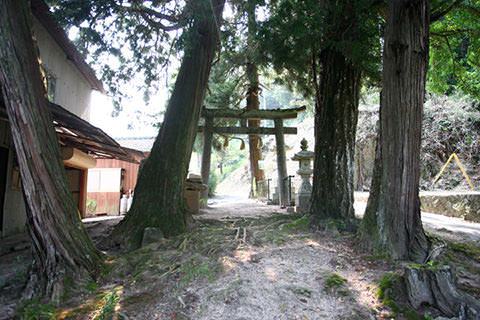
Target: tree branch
149, 15
438, 13
450, 32
473, 10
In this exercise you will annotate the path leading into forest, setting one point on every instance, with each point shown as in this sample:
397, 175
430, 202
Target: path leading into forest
245, 260
290, 280
235, 206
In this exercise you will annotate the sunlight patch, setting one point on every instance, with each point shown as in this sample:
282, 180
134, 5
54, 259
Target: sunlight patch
243, 255
228, 263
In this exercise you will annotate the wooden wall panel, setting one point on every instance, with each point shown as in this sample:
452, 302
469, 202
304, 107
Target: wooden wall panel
107, 202
131, 171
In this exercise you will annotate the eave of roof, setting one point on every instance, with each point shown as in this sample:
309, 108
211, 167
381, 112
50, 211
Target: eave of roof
143, 144
75, 132
42, 12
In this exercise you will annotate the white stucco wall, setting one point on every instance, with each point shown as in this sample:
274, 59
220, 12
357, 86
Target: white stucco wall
72, 92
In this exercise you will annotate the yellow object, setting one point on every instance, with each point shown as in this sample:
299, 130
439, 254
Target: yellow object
76, 158
459, 165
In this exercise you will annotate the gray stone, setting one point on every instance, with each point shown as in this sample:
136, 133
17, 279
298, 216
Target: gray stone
302, 199
151, 235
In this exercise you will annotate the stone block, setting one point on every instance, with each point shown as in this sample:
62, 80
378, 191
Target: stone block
152, 235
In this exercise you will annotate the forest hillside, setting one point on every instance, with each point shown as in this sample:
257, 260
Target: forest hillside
451, 125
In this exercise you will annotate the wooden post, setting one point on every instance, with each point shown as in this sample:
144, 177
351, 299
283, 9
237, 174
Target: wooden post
281, 162
206, 154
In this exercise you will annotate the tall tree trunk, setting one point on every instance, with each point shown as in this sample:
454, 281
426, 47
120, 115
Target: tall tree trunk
336, 113
159, 191
253, 102
61, 246
394, 205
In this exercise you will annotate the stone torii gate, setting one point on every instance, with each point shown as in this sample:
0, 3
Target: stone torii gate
277, 115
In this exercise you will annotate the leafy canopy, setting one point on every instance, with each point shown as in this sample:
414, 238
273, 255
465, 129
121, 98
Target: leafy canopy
129, 41
298, 30
454, 49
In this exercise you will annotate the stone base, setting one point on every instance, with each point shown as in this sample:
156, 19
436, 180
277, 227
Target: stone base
192, 201
302, 202
275, 198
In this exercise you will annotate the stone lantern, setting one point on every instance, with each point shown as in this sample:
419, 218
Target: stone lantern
304, 158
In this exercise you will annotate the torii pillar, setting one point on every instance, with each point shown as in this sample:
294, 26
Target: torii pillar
281, 163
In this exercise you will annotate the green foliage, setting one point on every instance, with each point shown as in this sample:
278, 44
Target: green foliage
91, 205
299, 225
430, 265
226, 85
34, 310
454, 47
336, 284
212, 184
91, 286
130, 42
334, 281
196, 269
226, 159
297, 30
386, 282
107, 307
470, 250
428, 316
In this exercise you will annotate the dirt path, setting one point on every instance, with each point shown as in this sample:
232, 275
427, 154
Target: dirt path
275, 269
244, 260
288, 282
228, 206
225, 206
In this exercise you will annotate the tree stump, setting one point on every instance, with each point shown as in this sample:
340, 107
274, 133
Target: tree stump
436, 286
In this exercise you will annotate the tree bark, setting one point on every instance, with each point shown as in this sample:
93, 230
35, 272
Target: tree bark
436, 287
394, 205
61, 247
253, 102
336, 113
159, 191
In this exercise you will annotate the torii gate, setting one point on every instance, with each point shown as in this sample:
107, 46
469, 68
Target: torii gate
277, 115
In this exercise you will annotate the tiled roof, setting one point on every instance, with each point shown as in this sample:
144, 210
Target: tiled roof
143, 144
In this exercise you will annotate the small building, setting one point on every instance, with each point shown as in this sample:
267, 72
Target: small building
70, 82
112, 178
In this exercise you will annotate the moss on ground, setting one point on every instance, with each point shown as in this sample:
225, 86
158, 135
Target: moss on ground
388, 292
468, 249
335, 284
175, 263
37, 310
